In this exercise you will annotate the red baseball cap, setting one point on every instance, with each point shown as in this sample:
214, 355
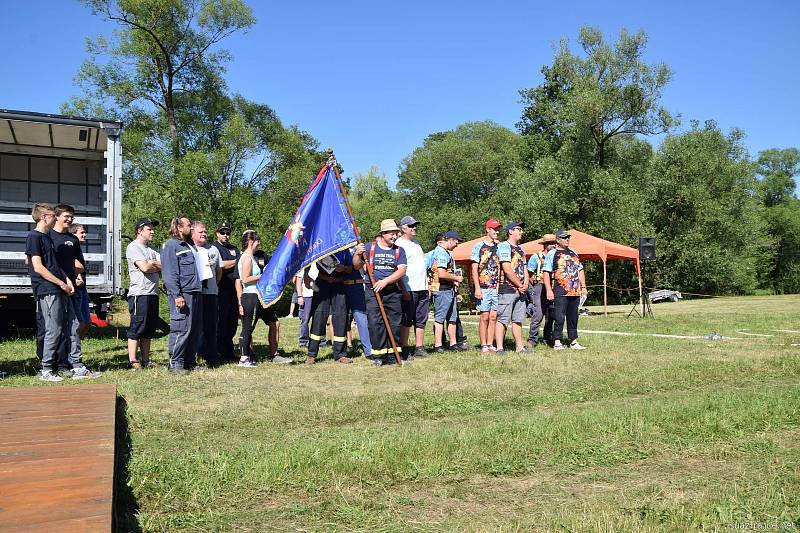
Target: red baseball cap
493, 223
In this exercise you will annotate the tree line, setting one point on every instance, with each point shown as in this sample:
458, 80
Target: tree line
583, 155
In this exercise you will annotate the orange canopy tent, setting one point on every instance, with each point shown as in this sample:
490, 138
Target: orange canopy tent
587, 246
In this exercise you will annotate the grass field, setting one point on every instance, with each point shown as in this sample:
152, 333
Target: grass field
636, 433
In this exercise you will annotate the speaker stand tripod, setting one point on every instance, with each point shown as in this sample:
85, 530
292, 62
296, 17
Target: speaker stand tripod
647, 308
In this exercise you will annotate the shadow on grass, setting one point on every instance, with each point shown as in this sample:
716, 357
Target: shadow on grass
126, 508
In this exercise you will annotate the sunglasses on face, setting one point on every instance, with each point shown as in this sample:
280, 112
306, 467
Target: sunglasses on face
224, 232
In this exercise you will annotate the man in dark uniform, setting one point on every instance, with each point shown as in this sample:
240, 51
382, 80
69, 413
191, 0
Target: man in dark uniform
183, 286
330, 300
226, 298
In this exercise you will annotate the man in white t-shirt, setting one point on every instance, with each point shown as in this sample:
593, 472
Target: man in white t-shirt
207, 346
144, 267
415, 309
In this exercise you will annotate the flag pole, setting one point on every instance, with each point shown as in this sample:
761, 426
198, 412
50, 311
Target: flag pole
332, 163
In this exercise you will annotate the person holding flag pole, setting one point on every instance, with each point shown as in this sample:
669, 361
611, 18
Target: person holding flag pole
322, 226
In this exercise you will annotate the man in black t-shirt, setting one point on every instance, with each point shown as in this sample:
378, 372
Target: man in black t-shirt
51, 287
227, 300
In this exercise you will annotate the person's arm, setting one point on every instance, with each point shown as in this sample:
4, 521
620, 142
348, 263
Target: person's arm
39, 268
358, 256
582, 280
396, 276
238, 285
170, 274
444, 275
511, 276
298, 286
525, 283
148, 265
478, 291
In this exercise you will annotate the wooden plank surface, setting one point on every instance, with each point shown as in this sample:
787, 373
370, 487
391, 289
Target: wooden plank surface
57, 458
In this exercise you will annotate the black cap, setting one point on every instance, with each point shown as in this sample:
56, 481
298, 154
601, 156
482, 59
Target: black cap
562, 233
409, 221
452, 235
224, 225
515, 225
146, 221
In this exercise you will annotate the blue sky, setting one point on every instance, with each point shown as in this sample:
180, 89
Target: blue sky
373, 79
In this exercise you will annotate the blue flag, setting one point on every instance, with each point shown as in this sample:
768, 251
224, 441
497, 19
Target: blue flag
322, 226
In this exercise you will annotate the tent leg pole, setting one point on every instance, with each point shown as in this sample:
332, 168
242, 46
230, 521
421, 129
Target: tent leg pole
605, 291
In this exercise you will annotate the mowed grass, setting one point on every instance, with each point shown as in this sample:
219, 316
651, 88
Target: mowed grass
636, 433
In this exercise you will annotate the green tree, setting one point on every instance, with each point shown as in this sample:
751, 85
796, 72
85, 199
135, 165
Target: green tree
162, 57
778, 168
707, 217
459, 166
587, 100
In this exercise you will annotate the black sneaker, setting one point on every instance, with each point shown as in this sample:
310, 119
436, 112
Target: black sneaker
458, 348
178, 371
463, 346
421, 352
377, 363
438, 349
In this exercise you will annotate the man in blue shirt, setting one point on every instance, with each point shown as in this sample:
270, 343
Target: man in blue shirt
536, 294
443, 287
183, 287
512, 288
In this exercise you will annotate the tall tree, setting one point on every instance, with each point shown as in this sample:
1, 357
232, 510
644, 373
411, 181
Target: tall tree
706, 213
588, 99
162, 56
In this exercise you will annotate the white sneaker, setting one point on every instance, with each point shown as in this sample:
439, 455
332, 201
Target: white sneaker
575, 346
557, 345
82, 372
48, 375
280, 359
247, 363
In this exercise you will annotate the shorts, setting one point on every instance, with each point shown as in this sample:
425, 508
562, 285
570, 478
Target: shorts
445, 308
488, 302
81, 304
511, 308
415, 310
144, 316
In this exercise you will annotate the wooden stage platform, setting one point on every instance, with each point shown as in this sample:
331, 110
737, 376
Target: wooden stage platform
57, 458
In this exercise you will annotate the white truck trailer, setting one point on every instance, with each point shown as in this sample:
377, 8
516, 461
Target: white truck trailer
59, 159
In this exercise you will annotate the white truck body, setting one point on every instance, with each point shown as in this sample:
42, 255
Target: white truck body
58, 159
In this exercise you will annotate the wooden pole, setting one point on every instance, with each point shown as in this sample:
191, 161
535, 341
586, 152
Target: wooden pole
332, 162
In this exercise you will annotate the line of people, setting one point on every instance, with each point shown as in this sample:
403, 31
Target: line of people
211, 288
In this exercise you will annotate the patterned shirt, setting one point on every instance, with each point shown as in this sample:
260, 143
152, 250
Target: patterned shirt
514, 254
565, 266
488, 264
441, 258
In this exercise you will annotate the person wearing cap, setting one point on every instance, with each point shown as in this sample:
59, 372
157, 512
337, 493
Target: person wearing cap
415, 309
183, 286
513, 287
207, 345
387, 264
227, 301
486, 275
144, 266
443, 286
536, 297
564, 283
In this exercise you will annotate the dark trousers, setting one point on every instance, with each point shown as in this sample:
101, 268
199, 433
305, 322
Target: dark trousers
208, 335
331, 301
537, 310
253, 312
547, 311
460, 337
184, 330
62, 355
228, 321
305, 318
392, 304
565, 307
